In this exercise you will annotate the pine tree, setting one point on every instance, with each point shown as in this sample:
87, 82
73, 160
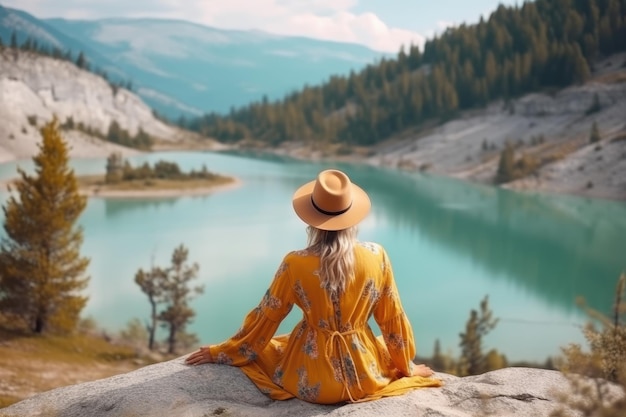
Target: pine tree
81, 61
177, 295
151, 284
476, 328
14, 40
438, 359
594, 135
506, 166
41, 269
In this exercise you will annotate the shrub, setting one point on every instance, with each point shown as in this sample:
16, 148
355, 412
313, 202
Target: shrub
595, 375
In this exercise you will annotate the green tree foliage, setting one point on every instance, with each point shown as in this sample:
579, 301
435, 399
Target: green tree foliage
116, 134
41, 270
81, 60
519, 49
594, 134
169, 293
122, 170
510, 168
114, 168
151, 283
177, 295
438, 361
479, 324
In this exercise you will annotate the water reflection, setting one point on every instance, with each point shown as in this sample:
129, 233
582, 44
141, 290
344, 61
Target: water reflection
449, 240
558, 247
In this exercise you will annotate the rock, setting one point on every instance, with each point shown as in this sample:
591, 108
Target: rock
174, 389
34, 88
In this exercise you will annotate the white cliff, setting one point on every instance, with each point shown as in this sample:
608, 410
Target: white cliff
35, 88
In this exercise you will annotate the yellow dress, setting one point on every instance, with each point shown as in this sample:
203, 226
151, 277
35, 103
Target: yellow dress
331, 355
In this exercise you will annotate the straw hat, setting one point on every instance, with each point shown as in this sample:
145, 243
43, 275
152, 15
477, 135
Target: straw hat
331, 202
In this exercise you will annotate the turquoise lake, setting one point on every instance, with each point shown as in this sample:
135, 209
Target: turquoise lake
450, 243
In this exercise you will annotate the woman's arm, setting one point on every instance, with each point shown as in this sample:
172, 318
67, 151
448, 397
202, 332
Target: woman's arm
258, 327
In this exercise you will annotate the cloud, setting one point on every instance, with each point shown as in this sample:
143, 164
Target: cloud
322, 19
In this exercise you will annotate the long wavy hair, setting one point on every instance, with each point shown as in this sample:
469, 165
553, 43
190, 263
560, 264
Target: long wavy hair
336, 251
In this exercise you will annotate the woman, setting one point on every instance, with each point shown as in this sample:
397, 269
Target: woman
338, 282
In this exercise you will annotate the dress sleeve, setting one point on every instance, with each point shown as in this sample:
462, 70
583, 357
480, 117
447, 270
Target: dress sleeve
259, 324
393, 322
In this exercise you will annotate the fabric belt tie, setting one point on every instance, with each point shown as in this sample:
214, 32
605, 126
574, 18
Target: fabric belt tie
338, 339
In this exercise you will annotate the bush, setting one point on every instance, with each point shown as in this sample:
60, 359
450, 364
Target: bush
605, 362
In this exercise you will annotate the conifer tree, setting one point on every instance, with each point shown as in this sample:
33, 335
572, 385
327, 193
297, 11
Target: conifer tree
506, 166
177, 294
81, 61
438, 359
476, 328
151, 284
41, 269
594, 135
14, 40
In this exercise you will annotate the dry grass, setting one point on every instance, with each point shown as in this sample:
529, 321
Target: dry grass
96, 182
32, 364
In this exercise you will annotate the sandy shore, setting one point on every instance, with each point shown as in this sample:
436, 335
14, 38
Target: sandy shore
98, 192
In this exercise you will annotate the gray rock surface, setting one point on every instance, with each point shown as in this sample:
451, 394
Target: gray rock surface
174, 389
34, 88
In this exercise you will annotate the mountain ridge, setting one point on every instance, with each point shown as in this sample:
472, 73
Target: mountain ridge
237, 68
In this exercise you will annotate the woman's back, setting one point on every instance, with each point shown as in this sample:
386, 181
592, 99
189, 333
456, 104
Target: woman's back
332, 354
333, 343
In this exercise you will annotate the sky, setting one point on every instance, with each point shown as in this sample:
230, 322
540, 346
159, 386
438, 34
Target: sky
382, 25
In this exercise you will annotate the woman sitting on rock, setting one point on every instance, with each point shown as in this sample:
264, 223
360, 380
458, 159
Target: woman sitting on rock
338, 282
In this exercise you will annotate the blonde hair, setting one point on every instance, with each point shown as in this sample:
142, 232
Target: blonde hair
336, 252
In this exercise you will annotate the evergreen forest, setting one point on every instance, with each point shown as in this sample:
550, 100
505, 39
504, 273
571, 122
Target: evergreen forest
543, 45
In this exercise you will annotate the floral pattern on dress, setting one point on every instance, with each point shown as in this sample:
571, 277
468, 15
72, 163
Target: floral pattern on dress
300, 330
350, 370
277, 378
223, 359
394, 341
281, 268
337, 372
391, 293
269, 301
305, 391
310, 344
323, 324
304, 300
370, 291
372, 247
375, 370
303, 252
247, 352
334, 299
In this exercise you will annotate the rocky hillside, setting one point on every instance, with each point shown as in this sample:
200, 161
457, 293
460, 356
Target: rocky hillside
34, 88
552, 130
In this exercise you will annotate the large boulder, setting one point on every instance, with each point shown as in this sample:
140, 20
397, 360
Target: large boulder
175, 389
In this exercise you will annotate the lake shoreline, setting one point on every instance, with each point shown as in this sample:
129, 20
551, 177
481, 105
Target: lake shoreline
95, 191
545, 184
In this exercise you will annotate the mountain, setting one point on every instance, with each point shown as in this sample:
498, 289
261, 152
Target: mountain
35, 88
26, 26
180, 67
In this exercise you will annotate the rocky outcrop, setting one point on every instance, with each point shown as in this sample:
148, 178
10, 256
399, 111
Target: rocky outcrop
34, 88
174, 389
552, 128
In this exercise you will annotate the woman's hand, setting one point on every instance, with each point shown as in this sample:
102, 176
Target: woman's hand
422, 370
200, 356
